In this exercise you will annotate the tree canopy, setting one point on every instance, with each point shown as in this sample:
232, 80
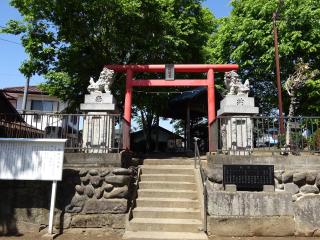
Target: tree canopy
246, 38
69, 41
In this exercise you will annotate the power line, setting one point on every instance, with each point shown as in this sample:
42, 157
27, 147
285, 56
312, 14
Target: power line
8, 74
5, 40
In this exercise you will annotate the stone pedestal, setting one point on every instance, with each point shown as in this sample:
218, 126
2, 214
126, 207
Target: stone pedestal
98, 126
99, 102
236, 126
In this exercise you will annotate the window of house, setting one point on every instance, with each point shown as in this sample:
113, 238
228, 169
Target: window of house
44, 106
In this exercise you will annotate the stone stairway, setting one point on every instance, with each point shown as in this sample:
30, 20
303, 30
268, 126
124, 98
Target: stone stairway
167, 206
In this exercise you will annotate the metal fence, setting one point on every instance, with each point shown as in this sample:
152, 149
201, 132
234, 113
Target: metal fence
238, 135
92, 133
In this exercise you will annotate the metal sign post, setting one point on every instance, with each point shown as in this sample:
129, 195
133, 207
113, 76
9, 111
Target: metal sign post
52, 205
169, 72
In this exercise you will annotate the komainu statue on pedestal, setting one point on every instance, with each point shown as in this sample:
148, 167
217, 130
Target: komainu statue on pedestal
234, 85
103, 83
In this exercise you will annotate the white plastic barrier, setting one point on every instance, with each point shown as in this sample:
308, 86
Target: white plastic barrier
33, 159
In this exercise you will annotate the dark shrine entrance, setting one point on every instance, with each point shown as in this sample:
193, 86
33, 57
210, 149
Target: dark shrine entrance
210, 69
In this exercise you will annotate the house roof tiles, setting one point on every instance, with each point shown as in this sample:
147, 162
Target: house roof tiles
20, 89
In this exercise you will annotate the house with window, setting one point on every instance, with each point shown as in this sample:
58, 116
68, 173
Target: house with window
43, 112
38, 100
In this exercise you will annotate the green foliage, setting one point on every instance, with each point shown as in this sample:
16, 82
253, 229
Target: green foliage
246, 38
69, 41
311, 97
297, 140
178, 126
314, 140
62, 85
281, 140
61, 88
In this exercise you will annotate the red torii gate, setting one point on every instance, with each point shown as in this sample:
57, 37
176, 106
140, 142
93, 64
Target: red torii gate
185, 68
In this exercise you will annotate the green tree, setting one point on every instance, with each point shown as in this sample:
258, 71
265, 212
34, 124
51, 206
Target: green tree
69, 41
294, 84
246, 38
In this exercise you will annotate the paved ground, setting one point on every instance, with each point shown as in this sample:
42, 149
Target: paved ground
103, 235
68, 235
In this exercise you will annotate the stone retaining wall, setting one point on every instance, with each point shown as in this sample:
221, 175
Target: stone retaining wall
290, 162
100, 191
295, 176
246, 226
93, 197
298, 183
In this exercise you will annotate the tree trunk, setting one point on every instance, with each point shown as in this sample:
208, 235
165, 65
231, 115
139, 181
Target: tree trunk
292, 107
156, 125
188, 135
147, 128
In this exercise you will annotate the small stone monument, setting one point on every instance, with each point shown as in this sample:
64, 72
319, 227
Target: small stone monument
98, 128
235, 111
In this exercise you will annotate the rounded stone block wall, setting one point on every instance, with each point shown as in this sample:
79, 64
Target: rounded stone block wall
101, 191
298, 183
86, 197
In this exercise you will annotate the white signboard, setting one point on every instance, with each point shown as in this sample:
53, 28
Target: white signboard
31, 159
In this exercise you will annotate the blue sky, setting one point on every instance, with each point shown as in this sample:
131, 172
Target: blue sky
12, 53
220, 8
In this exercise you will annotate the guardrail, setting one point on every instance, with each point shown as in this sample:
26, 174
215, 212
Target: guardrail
197, 163
133, 197
238, 134
94, 133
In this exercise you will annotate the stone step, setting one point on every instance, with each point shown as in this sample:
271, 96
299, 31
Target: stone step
167, 185
167, 193
165, 225
167, 202
143, 235
154, 212
168, 177
168, 162
167, 169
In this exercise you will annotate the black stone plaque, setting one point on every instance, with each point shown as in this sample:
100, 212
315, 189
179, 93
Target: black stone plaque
248, 177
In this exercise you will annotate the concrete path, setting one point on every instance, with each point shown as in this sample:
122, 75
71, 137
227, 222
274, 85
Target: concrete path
79, 234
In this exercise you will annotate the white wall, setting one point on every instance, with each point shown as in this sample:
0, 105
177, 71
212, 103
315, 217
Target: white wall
58, 105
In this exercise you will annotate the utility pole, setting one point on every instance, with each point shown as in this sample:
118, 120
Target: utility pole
25, 95
276, 51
